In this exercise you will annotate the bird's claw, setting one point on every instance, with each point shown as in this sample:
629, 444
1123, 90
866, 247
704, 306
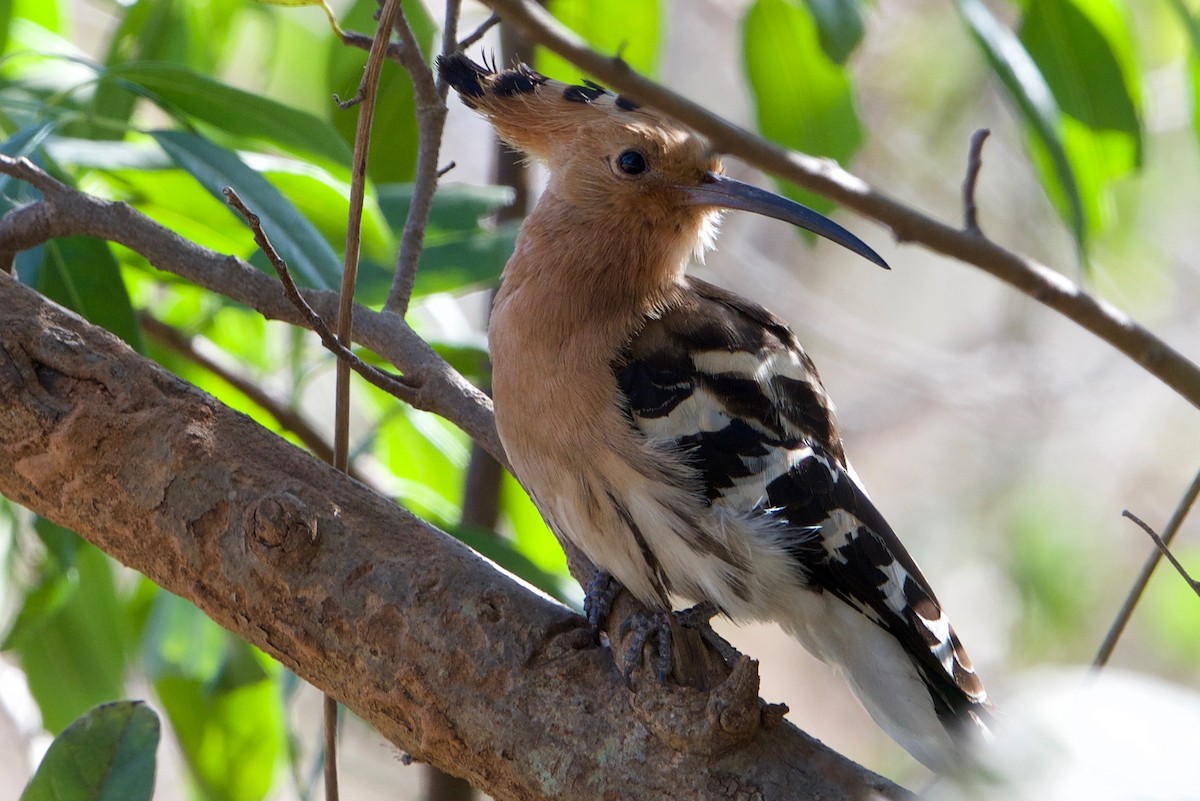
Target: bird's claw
644, 626
598, 600
698, 618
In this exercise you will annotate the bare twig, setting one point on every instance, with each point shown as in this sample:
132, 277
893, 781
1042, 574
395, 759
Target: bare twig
1043, 284
974, 164
1164, 550
397, 385
431, 118
1139, 586
365, 96
364, 42
479, 32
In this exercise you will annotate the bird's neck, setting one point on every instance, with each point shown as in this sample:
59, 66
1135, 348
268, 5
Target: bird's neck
583, 265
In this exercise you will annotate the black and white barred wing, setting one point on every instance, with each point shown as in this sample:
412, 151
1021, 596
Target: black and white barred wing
725, 383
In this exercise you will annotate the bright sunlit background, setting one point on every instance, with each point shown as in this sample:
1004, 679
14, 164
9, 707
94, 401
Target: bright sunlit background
1001, 440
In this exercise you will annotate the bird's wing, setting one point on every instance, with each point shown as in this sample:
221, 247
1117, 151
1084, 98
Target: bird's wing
725, 382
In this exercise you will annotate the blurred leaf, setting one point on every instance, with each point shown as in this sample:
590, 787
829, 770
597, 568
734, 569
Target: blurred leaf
457, 263
45, 13
180, 90
14, 193
1173, 610
224, 708
181, 641
456, 207
393, 154
505, 553
839, 25
632, 31
6, 10
1085, 52
324, 199
533, 537
458, 252
471, 361
1191, 26
231, 738
80, 273
1027, 87
802, 100
309, 257
108, 754
77, 659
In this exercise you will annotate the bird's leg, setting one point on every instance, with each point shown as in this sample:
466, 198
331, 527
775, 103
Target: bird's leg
698, 618
598, 599
645, 626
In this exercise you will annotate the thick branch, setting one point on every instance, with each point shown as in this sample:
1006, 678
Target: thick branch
1043, 284
448, 658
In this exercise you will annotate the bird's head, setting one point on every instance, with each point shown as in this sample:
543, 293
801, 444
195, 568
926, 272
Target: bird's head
618, 160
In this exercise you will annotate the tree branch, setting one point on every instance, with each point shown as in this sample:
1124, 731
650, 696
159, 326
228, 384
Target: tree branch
437, 387
823, 176
448, 658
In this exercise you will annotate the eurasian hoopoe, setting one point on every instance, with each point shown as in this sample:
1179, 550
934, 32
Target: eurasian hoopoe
677, 433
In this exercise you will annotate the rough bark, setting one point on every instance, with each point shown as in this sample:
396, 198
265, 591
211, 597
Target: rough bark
452, 660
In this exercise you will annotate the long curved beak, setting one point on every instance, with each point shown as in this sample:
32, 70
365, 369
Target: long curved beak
721, 191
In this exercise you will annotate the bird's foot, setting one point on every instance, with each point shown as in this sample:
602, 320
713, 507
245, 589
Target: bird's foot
698, 618
598, 599
646, 626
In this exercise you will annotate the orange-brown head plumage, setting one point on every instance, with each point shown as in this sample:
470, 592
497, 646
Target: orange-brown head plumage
606, 154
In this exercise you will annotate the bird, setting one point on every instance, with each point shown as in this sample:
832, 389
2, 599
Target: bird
677, 433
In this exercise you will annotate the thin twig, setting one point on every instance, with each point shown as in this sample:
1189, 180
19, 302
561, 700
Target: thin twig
974, 164
431, 118
479, 32
1139, 586
364, 42
1043, 284
365, 97
1164, 550
397, 385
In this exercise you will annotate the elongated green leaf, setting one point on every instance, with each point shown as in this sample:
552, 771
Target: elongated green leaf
77, 658
1027, 87
47, 14
80, 273
309, 257
456, 207
454, 264
839, 25
1085, 51
107, 754
231, 731
179, 90
801, 98
20, 145
393, 153
632, 30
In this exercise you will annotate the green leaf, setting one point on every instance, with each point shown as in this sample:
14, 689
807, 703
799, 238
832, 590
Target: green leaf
23, 143
839, 25
533, 537
632, 31
231, 738
393, 154
77, 659
81, 273
1085, 52
1027, 87
107, 754
1173, 610
309, 257
181, 91
47, 14
802, 100
454, 264
1191, 26
506, 554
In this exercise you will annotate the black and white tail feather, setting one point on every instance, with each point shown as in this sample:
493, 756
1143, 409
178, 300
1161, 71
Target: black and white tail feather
723, 386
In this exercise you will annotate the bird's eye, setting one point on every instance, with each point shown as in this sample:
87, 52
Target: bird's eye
631, 162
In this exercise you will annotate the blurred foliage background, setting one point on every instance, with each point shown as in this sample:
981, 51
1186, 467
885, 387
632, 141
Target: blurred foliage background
1001, 441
